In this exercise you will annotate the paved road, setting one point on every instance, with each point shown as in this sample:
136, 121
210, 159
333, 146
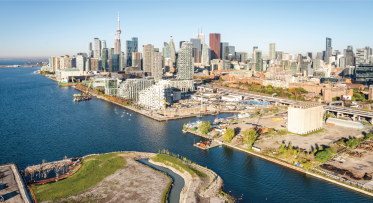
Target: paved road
8, 186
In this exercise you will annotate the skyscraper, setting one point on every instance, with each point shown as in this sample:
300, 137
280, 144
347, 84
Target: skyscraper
254, 54
173, 50
206, 57
259, 62
201, 37
349, 58
272, 51
80, 62
181, 43
328, 50
279, 55
309, 54
196, 49
224, 50
117, 46
103, 44
185, 62
115, 63
131, 46
157, 65
136, 59
359, 56
96, 48
89, 49
147, 58
319, 56
215, 45
104, 58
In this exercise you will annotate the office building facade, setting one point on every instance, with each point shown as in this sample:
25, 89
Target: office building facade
96, 48
272, 51
215, 45
196, 49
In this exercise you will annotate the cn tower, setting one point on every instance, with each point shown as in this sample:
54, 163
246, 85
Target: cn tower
117, 46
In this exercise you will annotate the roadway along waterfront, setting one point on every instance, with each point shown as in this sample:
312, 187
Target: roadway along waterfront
39, 120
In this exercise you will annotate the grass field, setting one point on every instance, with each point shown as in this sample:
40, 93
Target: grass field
93, 170
178, 165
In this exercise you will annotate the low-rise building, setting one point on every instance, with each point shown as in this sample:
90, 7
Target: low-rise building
155, 95
330, 92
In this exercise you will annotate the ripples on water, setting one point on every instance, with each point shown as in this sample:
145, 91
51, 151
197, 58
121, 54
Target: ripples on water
39, 120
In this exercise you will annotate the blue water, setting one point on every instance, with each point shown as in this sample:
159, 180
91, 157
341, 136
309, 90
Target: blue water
178, 181
39, 120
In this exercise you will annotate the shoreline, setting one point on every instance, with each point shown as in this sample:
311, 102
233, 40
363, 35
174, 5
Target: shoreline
240, 149
288, 166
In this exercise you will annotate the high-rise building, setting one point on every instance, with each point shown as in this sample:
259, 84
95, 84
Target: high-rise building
196, 49
103, 44
359, 56
201, 36
136, 59
206, 57
96, 48
173, 50
328, 50
367, 53
309, 54
232, 50
157, 65
131, 46
147, 58
88, 65
300, 60
115, 63
90, 50
319, 56
80, 62
272, 51
215, 45
258, 60
185, 62
349, 58
253, 57
94, 64
181, 43
104, 58
224, 50
168, 64
279, 55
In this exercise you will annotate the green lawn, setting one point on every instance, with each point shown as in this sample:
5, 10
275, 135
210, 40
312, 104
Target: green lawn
93, 170
178, 165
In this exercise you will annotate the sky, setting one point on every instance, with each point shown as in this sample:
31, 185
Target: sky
54, 28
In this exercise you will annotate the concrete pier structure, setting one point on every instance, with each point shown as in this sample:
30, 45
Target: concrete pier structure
305, 117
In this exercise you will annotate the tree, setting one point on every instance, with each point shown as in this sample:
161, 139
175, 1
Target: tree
229, 134
249, 137
204, 127
322, 156
184, 127
295, 152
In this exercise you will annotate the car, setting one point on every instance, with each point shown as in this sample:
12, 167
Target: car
284, 126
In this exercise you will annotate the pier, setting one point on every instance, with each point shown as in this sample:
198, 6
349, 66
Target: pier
13, 187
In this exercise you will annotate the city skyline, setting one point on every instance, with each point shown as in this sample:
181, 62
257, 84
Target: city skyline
57, 32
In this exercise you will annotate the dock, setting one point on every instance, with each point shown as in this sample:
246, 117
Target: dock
209, 146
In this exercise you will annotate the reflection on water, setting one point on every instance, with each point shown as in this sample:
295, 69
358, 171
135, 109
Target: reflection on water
39, 120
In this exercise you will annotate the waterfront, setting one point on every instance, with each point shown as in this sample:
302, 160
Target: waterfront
39, 120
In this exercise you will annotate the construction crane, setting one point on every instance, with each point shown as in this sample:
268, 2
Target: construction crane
86, 93
165, 104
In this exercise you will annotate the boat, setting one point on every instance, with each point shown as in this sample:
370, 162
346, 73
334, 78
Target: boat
80, 97
184, 131
199, 116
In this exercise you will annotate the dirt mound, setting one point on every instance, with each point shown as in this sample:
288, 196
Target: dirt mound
367, 146
355, 154
345, 172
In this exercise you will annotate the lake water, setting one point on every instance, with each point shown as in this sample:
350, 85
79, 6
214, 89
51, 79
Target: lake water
39, 120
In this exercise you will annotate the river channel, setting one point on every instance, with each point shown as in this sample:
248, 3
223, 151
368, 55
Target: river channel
39, 120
